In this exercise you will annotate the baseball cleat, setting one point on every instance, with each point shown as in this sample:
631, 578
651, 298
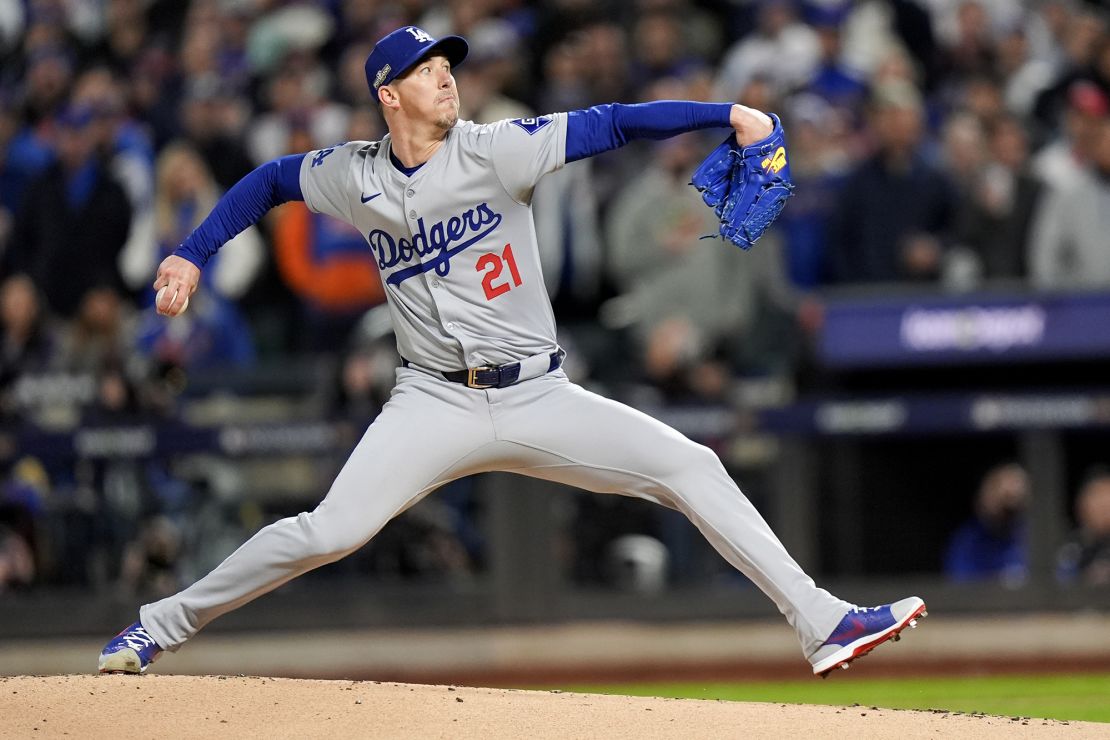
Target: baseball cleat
863, 629
131, 651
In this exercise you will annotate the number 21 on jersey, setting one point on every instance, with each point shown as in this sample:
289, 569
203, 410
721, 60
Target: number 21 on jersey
492, 265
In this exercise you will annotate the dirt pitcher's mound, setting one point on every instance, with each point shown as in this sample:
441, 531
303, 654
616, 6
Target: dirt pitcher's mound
251, 707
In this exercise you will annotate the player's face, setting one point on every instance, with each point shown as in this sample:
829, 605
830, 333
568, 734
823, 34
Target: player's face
428, 92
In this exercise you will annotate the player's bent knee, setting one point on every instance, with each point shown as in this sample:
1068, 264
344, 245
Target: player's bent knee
694, 459
331, 537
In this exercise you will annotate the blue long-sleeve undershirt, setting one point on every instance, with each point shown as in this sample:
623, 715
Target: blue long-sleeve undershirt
271, 184
589, 132
606, 127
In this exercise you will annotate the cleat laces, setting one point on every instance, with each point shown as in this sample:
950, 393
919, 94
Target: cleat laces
137, 639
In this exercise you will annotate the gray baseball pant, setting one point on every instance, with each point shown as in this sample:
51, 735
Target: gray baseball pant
432, 432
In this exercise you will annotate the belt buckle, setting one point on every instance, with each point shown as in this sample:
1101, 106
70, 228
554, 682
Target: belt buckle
472, 379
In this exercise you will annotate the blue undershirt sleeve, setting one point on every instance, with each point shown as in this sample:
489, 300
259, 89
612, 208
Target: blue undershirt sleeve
271, 184
606, 127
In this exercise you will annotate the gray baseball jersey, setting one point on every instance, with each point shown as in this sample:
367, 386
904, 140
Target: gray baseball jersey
455, 241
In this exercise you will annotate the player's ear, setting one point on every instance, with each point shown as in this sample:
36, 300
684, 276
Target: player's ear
387, 96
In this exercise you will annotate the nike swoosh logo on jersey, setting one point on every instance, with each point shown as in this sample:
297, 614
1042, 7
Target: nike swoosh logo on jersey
368, 198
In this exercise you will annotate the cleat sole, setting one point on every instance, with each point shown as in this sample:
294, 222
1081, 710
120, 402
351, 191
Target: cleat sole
123, 661
893, 635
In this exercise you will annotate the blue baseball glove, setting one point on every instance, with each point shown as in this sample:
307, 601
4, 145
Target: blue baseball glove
746, 187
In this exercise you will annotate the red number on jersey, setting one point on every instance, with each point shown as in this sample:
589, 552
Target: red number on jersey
492, 264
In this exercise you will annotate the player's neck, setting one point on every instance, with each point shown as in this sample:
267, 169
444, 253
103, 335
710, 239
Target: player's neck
415, 146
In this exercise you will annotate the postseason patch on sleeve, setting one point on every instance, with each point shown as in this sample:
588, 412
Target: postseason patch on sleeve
531, 125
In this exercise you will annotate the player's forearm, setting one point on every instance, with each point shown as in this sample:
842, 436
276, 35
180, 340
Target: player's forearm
270, 185
605, 127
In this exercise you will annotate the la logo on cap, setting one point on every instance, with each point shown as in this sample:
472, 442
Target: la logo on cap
419, 34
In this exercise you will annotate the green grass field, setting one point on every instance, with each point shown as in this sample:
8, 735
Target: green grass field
1070, 697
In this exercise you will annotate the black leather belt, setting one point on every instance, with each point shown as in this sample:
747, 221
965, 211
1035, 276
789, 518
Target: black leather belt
493, 376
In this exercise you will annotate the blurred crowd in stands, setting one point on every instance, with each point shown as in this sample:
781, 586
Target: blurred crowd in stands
993, 544
947, 143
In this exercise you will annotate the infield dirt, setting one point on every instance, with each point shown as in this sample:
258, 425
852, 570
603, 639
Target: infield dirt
86, 706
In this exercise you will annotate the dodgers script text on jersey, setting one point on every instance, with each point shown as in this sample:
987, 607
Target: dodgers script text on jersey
441, 240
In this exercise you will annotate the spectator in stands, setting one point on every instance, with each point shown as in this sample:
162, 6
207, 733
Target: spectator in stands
212, 116
23, 157
1086, 558
48, 75
605, 58
213, 332
150, 566
129, 156
1060, 163
841, 86
126, 30
991, 546
820, 163
660, 47
1069, 243
483, 81
566, 72
366, 373
53, 241
210, 335
963, 151
679, 297
981, 96
24, 541
781, 49
1085, 26
186, 192
327, 266
26, 343
17, 562
350, 83
296, 100
896, 210
99, 336
971, 50
1024, 75
994, 221
155, 90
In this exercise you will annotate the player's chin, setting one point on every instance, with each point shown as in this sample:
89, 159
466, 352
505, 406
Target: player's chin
448, 119
448, 112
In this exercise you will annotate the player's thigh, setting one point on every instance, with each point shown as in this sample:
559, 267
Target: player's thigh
429, 432
596, 443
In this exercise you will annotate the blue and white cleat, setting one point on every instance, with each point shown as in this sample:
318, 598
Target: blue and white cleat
131, 651
861, 630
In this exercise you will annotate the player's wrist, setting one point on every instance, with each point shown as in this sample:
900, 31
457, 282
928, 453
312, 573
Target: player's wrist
751, 125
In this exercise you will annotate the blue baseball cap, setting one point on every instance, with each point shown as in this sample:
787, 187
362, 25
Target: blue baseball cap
397, 51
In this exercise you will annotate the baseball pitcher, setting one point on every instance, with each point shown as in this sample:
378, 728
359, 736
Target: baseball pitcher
444, 206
